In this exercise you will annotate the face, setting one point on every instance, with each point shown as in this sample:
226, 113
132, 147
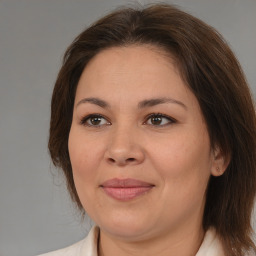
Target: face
138, 144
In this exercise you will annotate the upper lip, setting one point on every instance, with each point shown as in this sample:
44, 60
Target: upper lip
125, 183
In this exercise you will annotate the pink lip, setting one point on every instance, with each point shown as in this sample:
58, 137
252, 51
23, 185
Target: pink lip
125, 189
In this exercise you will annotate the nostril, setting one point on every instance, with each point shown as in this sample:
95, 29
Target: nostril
130, 160
121, 161
111, 160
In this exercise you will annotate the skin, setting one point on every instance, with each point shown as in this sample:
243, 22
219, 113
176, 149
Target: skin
174, 155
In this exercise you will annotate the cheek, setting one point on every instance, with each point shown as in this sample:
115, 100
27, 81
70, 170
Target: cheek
185, 170
84, 155
183, 159
85, 158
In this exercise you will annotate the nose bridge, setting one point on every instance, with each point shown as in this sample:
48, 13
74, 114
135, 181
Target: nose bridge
124, 145
122, 138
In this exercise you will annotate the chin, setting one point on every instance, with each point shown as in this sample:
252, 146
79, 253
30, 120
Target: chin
126, 228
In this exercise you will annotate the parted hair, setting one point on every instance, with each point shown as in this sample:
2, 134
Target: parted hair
211, 71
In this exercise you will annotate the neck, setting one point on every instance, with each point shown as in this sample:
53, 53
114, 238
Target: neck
182, 243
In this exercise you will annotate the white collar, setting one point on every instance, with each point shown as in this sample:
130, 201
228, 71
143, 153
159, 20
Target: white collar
211, 246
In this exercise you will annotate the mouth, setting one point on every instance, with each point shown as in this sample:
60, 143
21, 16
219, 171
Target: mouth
125, 189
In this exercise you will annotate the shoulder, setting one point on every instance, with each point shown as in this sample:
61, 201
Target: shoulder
85, 247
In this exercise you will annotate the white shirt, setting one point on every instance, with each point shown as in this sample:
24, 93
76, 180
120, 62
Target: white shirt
211, 246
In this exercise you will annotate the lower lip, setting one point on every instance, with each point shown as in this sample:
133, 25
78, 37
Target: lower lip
125, 194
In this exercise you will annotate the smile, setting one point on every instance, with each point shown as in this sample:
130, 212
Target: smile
125, 189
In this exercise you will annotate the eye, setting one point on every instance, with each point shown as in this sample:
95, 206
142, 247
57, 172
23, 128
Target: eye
94, 120
159, 120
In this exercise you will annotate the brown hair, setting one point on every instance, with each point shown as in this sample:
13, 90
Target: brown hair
211, 71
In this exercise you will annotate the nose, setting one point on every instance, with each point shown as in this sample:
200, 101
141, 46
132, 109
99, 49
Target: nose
124, 148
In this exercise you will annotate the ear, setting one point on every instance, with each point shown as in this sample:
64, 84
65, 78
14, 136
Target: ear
220, 162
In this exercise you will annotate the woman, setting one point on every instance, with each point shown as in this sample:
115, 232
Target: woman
154, 128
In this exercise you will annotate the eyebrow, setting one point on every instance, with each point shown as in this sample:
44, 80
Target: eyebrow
157, 101
142, 104
95, 101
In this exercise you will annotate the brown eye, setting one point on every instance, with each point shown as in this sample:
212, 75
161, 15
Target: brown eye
94, 120
156, 120
159, 120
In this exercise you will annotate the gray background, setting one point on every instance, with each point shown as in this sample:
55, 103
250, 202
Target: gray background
36, 214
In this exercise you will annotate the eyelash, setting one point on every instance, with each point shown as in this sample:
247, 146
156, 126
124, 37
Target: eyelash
85, 119
170, 119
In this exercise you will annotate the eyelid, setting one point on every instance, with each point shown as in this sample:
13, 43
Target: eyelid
171, 119
85, 118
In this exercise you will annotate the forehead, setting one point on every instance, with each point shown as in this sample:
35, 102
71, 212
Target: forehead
133, 67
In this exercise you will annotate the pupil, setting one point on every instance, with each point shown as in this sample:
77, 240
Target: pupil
95, 120
156, 120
